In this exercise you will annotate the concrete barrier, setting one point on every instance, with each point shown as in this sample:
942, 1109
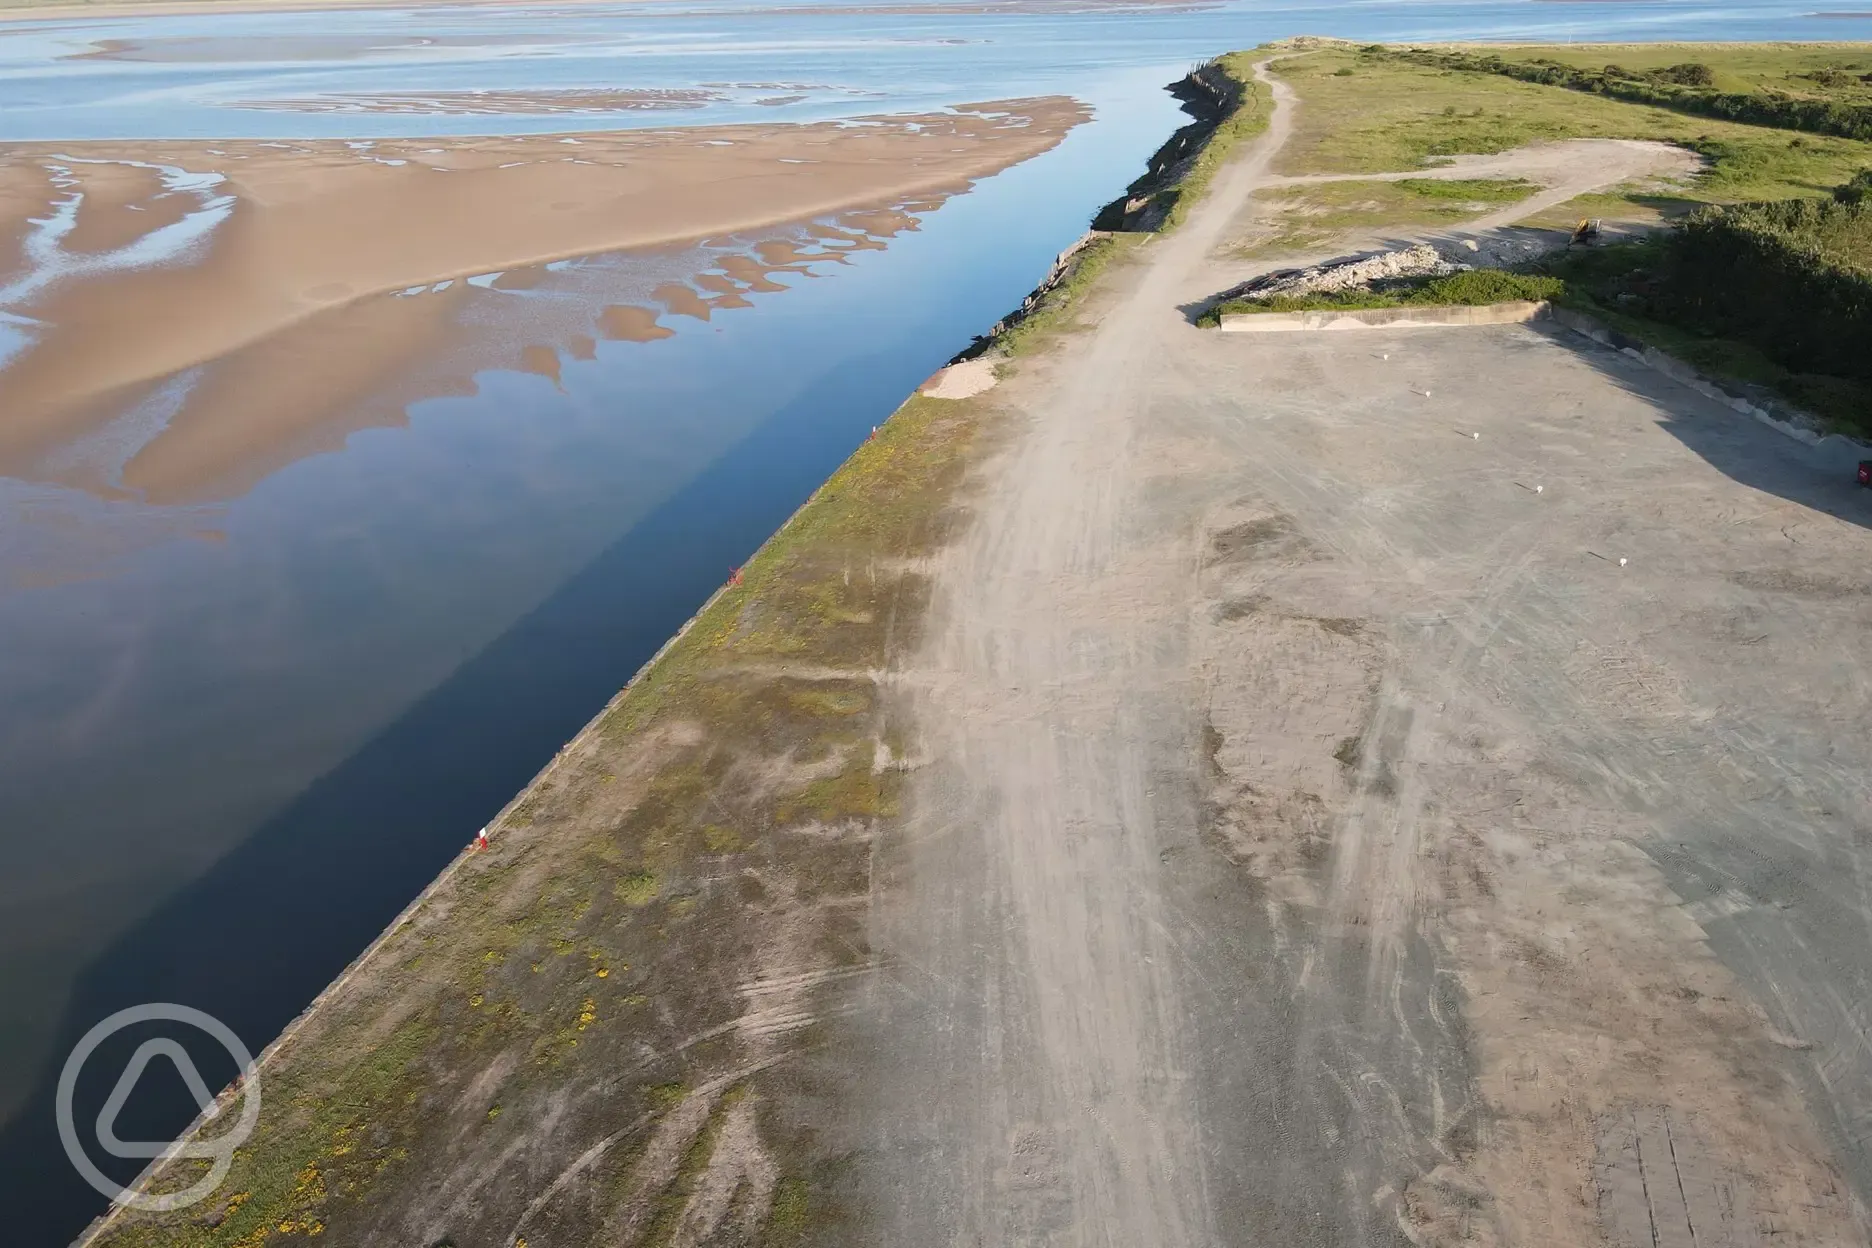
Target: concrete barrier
1830, 451
1384, 318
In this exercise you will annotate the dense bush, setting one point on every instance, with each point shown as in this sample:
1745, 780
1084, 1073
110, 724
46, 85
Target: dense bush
1789, 281
1791, 278
1831, 76
1686, 88
1856, 190
1688, 74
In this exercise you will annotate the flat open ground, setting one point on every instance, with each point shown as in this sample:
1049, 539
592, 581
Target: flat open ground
1321, 838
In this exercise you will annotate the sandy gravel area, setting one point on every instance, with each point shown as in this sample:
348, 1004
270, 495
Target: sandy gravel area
1375, 789
962, 381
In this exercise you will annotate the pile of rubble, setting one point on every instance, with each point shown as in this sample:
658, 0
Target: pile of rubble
1422, 260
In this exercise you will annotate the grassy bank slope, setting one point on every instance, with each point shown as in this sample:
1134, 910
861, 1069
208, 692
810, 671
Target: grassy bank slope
587, 979
1775, 295
1800, 70
1248, 119
1473, 289
584, 1034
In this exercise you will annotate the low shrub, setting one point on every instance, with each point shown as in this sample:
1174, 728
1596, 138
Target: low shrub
1793, 278
1856, 190
1479, 286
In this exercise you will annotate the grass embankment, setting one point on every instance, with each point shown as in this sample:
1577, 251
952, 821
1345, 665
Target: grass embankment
580, 979
1829, 71
1471, 289
581, 1035
1056, 304
1311, 215
1370, 110
1249, 118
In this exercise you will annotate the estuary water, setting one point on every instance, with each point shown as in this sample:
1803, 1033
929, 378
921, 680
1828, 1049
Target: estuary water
238, 732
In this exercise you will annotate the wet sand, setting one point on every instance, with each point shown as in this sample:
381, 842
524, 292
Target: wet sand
200, 313
361, 365
499, 103
41, 11
214, 49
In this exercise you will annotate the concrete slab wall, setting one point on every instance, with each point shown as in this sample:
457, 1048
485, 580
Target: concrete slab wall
1383, 318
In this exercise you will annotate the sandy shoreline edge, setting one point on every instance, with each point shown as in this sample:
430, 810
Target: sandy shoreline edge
192, 8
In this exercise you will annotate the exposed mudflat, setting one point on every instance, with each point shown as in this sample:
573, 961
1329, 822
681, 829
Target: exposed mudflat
1318, 836
307, 280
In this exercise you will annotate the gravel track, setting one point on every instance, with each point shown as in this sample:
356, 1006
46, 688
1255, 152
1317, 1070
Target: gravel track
1320, 839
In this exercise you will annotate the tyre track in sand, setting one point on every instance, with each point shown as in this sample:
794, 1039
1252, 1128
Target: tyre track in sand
1040, 1084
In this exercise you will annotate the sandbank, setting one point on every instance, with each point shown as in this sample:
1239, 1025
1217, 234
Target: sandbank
257, 259
65, 9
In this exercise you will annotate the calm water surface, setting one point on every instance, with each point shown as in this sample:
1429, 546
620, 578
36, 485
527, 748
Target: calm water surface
235, 738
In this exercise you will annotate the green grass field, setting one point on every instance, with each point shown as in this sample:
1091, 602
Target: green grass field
1819, 71
1367, 114
1310, 215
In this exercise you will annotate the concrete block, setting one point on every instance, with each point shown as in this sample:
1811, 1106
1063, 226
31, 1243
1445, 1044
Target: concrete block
1383, 318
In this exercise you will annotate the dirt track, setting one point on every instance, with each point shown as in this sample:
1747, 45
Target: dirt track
1319, 838
1564, 170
